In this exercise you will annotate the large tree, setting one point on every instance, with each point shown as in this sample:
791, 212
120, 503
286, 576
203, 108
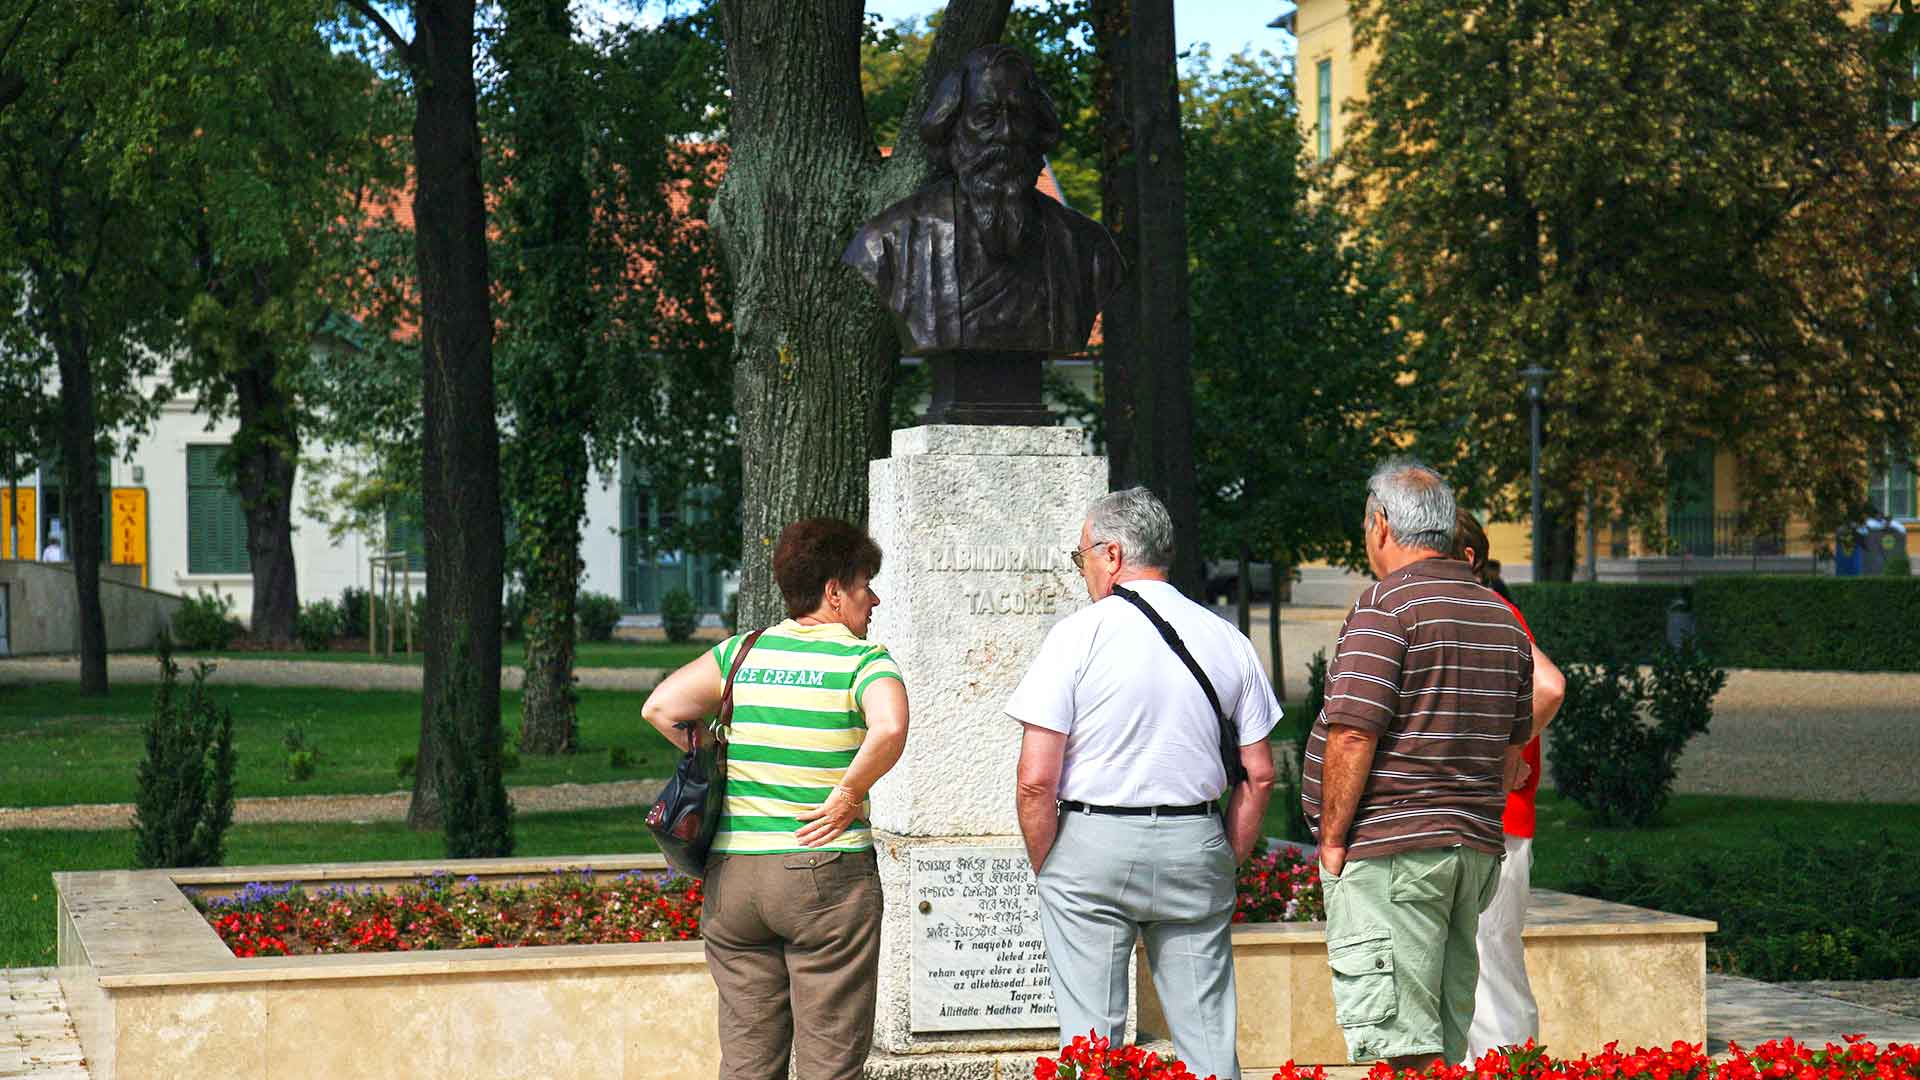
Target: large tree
459, 760
1636, 201
89, 267
1147, 351
1294, 351
814, 350
276, 157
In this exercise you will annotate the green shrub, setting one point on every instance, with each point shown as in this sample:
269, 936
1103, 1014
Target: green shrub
1810, 623
404, 766
619, 757
185, 799
1897, 566
1300, 720
678, 616
598, 614
205, 622
353, 611
318, 625
1805, 907
1620, 733
1592, 623
732, 616
302, 756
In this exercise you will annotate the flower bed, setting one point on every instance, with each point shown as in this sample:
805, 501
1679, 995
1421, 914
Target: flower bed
442, 912
573, 908
1092, 1058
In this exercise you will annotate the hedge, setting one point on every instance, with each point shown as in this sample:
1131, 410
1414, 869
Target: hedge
1810, 623
1588, 623
1786, 623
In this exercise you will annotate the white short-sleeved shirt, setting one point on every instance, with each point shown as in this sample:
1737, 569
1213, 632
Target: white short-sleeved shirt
1139, 729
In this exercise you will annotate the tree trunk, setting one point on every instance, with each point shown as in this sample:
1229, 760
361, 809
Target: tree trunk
1244, 599
551, 311
460, 484
1282, 589
813, 348
1147, 357
80, 491
265, 455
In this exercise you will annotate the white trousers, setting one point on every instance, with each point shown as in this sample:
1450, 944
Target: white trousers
1504, 1013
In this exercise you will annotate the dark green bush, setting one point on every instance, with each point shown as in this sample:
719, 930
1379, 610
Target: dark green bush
205, 622
353, 611
598, 614
302, 756
185, 799
1620, 733
678, 617
733, 613
1897, 566
318, 625
1297, 725
1592, 623
403, 766
1810, 623
1801, 908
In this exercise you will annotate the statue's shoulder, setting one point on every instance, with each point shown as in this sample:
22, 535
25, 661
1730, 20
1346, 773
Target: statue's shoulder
934, 200
1086, 233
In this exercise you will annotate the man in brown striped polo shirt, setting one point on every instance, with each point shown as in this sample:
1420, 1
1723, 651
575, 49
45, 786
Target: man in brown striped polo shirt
1429, 704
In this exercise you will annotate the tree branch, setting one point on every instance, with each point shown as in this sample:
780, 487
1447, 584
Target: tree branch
967, 25
400, 44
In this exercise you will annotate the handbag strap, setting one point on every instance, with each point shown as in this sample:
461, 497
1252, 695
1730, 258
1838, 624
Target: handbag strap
1229, 734
723, 717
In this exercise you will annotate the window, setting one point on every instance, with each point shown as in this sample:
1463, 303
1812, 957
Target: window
1903, 108
1323, 72
407, 533
53, 505
647, 572
216, 526
1890, 487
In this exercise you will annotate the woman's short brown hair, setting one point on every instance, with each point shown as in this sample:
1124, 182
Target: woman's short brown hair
1468, 534
814, 551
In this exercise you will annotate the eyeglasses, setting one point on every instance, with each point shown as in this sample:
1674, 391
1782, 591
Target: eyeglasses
1080, 557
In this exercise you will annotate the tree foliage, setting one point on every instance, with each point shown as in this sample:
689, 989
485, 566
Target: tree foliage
1295, 356
1704, 225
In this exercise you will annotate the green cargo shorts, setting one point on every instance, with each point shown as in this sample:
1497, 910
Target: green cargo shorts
1400, 941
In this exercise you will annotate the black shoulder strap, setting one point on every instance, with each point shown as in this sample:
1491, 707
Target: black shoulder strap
1229, 734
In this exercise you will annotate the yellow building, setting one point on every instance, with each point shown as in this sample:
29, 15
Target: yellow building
1706, 526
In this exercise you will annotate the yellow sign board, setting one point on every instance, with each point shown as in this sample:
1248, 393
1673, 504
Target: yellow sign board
17, 542
130, 528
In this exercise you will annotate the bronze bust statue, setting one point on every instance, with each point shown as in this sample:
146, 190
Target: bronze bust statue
983, 274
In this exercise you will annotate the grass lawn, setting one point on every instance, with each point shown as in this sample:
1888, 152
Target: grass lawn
588, 654
57, 747
28, 857
1711, 827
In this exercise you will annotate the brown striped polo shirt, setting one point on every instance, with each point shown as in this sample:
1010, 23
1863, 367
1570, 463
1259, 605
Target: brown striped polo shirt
1437, 665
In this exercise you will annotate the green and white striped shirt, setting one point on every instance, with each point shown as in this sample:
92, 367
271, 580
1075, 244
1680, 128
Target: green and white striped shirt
797, 724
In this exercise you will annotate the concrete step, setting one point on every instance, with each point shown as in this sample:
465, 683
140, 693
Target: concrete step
36, 1036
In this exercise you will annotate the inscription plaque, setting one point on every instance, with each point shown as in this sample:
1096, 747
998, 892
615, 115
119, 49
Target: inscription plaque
979, 963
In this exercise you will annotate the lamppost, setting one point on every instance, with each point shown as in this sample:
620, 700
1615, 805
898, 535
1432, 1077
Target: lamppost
1536, 377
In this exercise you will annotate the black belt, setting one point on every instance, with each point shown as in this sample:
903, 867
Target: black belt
1196, 810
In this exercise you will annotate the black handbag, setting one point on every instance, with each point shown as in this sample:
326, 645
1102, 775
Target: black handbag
686, 816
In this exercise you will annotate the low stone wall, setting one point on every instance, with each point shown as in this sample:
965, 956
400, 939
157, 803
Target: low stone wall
153, 991
44, 610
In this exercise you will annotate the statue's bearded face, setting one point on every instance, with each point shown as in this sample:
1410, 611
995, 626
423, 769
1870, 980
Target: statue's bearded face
996, 156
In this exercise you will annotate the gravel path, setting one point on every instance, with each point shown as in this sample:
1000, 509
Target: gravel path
352, 808
332, 674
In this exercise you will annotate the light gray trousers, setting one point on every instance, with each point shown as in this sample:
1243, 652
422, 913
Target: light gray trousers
1109, 879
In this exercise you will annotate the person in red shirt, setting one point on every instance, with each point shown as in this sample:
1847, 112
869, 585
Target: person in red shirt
1504, 1012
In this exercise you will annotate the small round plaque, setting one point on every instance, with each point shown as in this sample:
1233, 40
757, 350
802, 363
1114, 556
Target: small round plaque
925, 906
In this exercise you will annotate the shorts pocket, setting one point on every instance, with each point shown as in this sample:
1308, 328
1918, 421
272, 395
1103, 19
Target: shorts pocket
1363, 992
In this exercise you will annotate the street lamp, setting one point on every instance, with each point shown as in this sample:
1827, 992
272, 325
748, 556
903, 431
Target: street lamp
1536, 377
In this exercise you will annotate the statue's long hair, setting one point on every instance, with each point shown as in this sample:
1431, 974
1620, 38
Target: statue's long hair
943, 111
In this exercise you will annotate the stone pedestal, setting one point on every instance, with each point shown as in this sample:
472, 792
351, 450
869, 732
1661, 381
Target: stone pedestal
977, 523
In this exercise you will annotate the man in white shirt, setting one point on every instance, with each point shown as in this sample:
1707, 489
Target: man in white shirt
1123, 760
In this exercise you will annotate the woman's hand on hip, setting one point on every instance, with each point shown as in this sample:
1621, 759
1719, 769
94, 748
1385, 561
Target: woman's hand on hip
824, 823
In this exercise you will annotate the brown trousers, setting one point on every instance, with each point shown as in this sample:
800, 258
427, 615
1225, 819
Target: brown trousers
793, 942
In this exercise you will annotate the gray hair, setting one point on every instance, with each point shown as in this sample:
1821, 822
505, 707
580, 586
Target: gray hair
1416, 501
1138, 521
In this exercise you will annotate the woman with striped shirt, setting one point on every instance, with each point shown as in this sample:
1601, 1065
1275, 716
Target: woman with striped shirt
792, 909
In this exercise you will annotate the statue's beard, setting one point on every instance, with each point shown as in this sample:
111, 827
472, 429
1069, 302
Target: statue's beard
996, 183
